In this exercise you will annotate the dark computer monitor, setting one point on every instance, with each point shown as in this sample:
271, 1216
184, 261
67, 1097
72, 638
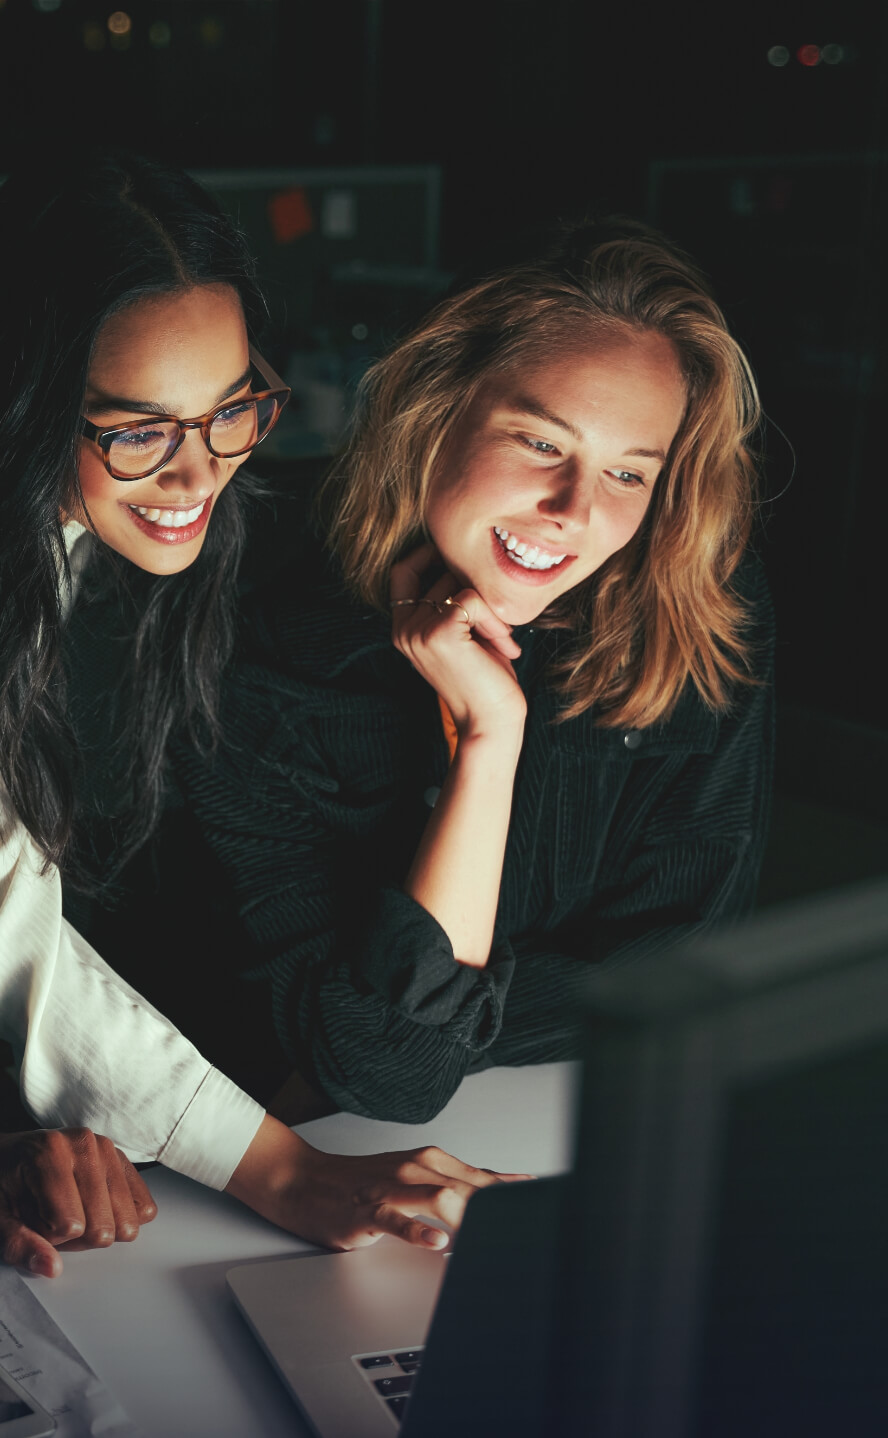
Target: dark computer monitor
725, 1270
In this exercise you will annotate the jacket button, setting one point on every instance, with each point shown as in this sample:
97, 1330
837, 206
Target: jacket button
632, 740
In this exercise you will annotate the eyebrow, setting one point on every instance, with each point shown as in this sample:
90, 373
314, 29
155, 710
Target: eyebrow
102, 402
523, 404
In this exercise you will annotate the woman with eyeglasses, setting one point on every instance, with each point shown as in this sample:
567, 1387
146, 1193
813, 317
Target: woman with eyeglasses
517, 711
131, 396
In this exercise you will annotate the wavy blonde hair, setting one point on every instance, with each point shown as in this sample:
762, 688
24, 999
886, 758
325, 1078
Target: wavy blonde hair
662, 610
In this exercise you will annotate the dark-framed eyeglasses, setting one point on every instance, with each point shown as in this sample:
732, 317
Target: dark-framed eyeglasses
137, 450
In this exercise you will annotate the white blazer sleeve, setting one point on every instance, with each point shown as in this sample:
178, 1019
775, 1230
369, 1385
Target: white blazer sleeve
90, 1051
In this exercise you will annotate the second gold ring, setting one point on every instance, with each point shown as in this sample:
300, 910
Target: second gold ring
455, 604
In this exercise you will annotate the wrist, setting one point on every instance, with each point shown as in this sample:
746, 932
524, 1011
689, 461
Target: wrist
268, 1166
488, 757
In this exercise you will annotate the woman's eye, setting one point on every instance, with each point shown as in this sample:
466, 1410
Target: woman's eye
232, 415
627, 477
539, 446
135, 440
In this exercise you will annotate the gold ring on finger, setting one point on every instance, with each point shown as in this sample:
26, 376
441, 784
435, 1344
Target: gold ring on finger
455, 604
433, 602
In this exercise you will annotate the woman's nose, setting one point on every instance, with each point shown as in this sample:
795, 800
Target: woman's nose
192, 469
568, 500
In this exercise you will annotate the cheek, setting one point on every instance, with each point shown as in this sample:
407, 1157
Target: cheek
97, 487
490, 487
621, 516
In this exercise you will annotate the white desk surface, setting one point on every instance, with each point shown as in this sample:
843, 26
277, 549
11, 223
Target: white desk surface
155, 1318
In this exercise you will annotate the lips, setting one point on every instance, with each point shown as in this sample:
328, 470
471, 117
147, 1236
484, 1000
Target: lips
518, 568
166, 528
525, 552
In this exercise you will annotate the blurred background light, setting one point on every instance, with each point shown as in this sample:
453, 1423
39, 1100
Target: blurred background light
93, 35
159, 34
46, 5
808, 55
832, 54
212, 32
119, 23
778, 55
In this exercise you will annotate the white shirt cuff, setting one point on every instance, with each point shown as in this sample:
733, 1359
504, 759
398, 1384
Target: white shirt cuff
214, 1132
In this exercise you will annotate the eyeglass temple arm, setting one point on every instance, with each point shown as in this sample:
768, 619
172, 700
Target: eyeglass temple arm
272, 379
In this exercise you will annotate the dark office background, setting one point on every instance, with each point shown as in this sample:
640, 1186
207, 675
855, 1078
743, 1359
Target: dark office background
757, 136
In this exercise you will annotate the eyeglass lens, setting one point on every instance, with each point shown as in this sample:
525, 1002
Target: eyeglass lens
144, 447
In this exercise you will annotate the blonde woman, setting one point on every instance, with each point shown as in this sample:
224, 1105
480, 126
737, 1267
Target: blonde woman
515, 728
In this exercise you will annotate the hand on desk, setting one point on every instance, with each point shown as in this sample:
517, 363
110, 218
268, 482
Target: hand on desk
345, 1201
66, 1189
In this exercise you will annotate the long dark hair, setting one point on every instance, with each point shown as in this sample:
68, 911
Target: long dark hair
80, 240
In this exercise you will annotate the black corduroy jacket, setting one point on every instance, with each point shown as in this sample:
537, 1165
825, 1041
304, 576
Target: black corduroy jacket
620, 843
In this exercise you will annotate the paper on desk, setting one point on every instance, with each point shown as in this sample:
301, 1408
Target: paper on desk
36, 1352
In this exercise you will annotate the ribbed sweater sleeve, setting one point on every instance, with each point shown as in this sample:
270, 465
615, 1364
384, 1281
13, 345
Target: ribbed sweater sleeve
364, 985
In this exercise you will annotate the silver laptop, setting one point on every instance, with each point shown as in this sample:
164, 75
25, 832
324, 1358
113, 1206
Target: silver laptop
355, 1335
715, 1266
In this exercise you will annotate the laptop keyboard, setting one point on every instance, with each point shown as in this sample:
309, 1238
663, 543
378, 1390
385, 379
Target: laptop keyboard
391, 1376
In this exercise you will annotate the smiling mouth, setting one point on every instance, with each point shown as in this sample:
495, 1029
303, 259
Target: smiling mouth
170, 526
526, 555
168, 518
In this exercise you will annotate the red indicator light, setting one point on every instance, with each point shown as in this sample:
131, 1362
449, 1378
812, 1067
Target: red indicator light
808, 55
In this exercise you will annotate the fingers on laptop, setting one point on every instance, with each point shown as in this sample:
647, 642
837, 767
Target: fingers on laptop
389, 1219
66, 1189
428, 1183
437, 1160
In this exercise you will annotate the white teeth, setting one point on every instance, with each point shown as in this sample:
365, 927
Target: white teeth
169, 518
528, 556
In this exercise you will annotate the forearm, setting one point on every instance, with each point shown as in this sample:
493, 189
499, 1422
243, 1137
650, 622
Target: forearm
457, 869
273, 1157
